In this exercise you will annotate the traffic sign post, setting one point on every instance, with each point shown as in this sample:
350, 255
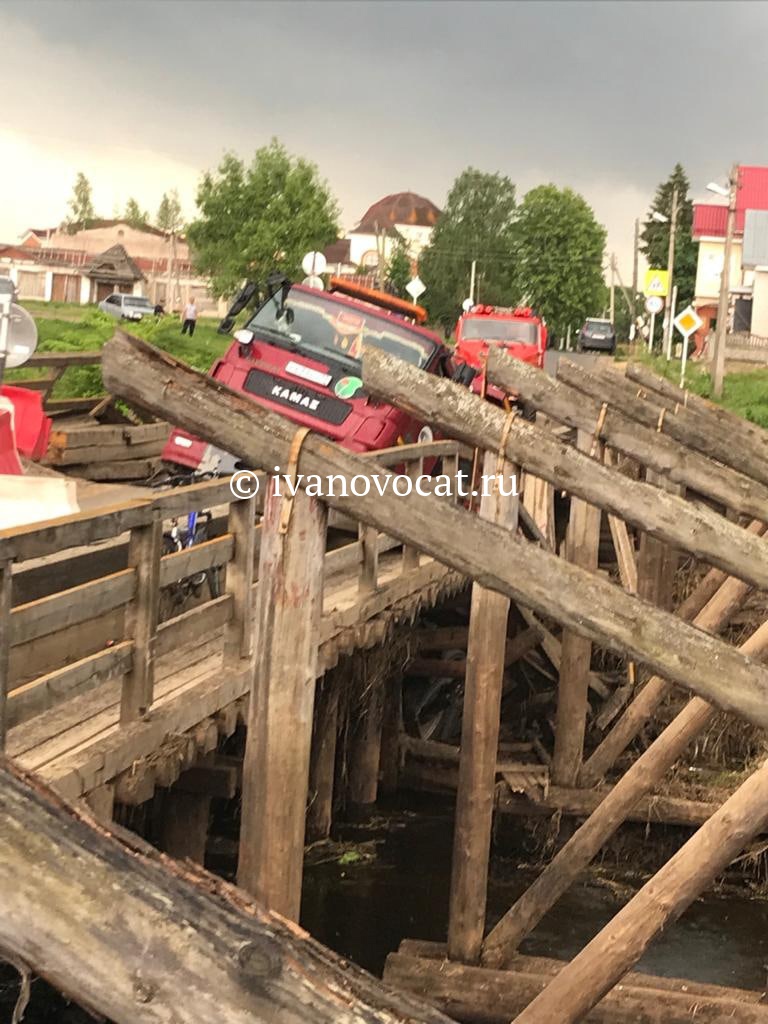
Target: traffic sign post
415, 288
687, 322
653, 305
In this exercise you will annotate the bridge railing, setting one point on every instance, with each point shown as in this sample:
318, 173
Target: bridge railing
109, 625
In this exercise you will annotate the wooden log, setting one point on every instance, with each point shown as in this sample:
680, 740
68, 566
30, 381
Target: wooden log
141, 618
656, 561
606, 959
514, 649
658, 450
239, 580
276, 766
486, 649
553, 650
185, 946
699, 433
582, 548
726, 600
570, 861
322, 765
369, 670
482, 550
369, 565
391, 728
481, 996
6, 588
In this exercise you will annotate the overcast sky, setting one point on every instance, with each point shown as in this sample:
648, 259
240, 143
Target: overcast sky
383, 96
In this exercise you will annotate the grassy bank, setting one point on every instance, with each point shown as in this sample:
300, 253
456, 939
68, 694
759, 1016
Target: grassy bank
68, 328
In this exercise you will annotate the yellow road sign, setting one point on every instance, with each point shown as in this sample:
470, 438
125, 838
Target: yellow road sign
656, 283
688, 321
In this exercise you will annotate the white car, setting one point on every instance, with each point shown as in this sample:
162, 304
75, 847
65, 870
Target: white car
127, 307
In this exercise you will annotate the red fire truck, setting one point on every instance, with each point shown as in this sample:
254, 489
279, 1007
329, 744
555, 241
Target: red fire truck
519, 331
300, 355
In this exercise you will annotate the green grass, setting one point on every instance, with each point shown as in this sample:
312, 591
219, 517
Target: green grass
65, 327
745, 393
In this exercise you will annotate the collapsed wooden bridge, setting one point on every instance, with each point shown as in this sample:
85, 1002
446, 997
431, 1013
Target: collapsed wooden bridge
686, 476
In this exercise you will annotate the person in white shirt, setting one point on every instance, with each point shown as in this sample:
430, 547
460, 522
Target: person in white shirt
189, 318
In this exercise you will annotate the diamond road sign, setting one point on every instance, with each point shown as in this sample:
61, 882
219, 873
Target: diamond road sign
688, 321
415, 288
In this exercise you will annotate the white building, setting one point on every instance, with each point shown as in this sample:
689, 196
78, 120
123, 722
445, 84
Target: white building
403, 215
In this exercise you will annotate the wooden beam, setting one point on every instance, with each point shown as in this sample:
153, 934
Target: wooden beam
239, 581
582, 546
366, 716
144, 552
658, 450
185, 945
606, 959
276, 767
514, 650
218, 781
184, 821
482, 550
644, 775
6, 587
486, 649
323, 754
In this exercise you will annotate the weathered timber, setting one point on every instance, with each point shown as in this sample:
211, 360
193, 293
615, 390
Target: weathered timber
486, 650
211, 778
239, 582
323, 754
723, 601
141, 618
699, 433
366, 717
6, 586
582, 543
185, 946
391, 728
573, 858
189, 561
553, 649
656, 561
515, 649
184, 824
98, 436
482, 550
452, 408
659, 451
276, 767
604, 961
481, 996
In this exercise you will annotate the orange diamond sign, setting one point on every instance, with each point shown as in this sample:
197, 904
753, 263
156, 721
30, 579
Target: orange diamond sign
688, 321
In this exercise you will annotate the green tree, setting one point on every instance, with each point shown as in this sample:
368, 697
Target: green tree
560, 250
81, 212
262, 217
478, 223
134, 215
655, 235
169, 217
399, 269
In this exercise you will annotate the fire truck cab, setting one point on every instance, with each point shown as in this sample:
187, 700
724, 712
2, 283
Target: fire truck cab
519, 331
300, 355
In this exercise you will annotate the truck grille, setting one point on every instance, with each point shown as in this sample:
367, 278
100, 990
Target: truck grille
299, 397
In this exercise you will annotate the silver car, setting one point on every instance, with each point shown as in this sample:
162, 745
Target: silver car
127, 307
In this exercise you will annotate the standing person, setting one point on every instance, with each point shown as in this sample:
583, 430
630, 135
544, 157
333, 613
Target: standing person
189, 318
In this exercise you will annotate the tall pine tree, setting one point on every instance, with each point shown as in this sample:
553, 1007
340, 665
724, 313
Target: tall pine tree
655, 236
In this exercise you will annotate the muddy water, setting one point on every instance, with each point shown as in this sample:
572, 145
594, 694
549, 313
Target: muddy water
363, 910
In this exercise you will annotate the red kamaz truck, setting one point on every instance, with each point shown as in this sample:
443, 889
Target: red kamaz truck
519, 331
300, 354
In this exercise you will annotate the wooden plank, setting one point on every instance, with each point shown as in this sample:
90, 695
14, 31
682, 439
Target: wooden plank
486, 650
276, 773
5, 648
46, 691
44, 384
75, 437
239, 582
64, 358
70, 607
322, 768
369, 562
102, 453
39, 539
213, 780
190, 561
515, 649
141, 618
582, 545
129, 469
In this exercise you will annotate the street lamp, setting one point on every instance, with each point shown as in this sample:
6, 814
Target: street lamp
660, 218
718, 360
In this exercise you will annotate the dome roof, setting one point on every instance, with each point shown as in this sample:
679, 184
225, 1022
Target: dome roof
400, 208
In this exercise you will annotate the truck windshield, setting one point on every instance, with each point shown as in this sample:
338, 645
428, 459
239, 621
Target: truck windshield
324, 324
487, 328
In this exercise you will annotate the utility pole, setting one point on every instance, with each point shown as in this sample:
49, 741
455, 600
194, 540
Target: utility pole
635, 275
613, 287
718, 362
670, 269
472, 276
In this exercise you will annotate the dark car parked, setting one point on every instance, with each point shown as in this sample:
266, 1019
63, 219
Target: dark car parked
597, 335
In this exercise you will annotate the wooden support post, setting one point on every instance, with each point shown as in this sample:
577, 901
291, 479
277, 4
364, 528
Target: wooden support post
582, 544
392, 727
369, 669
573, 858
101, 802
656, 561
486, 649
276, 767
414, 469
450, 468
5, 646
144, 553
369, 565
322, 768
239, 638
607, 958
184, 824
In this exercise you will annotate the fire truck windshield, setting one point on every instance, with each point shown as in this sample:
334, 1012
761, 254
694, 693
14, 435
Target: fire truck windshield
322, 324
487, 328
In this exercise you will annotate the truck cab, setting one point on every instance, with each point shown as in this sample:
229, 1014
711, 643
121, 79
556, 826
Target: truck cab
519, 331
300, 355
